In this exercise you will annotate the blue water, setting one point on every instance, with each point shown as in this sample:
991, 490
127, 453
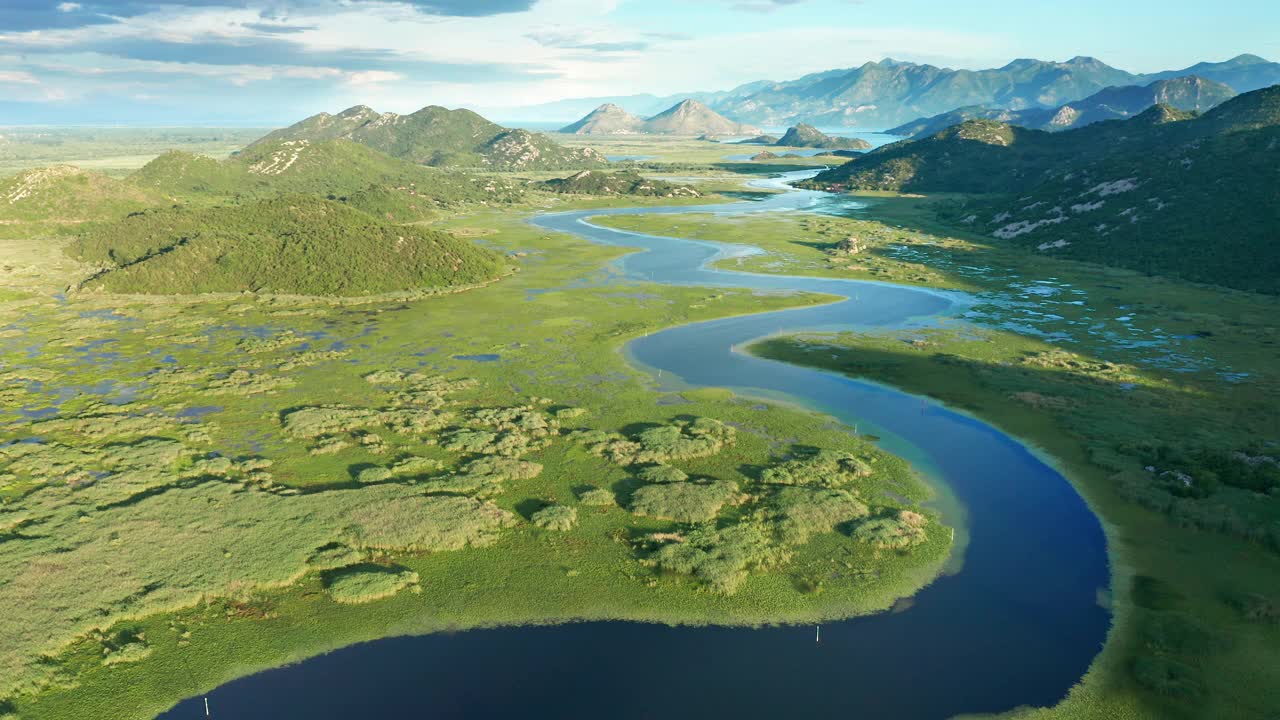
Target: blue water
1017, 624
482, 357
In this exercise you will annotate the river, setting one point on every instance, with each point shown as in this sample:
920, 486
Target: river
1017, 624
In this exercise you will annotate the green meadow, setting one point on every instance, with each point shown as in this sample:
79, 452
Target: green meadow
331, 470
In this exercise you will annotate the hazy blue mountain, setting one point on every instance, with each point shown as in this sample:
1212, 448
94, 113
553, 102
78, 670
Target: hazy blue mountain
1243, 72
889, 92
687, 117
1113, 103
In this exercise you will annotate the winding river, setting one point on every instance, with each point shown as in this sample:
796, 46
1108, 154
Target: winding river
1018, 624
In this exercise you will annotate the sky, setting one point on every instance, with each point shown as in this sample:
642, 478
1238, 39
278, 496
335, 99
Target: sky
271, 61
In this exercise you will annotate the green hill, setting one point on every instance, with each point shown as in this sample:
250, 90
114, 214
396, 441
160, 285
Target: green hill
1168, 192
438, 137
625, 182
65, 194
961, 159
338, 169
804, 135
291, 244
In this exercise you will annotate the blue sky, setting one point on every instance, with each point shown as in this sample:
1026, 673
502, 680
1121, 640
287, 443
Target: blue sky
268, 61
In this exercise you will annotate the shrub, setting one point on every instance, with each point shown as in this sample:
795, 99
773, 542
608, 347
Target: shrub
802, 512
720, 558
128, 653
684, 501
333, 556
365, 583
374, 474
414, 465
597, 496
904, 530
1165, 676
823, 468
682, 440
428, 523
662, 474
555, 517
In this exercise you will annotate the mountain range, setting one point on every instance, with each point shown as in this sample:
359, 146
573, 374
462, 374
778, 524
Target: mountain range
439, 137
888, 93
687, 117
1188, 92
1167, 192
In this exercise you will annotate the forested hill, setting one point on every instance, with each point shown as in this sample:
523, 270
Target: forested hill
292, 244
1166, 192
340, 168
439, 137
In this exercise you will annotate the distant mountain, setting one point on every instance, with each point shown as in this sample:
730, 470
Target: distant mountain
292, 244
643, 105
1166, 192
1242, 73
624, 182
889, 92
608, 119
691, 117
1113, 103
804, 135
687, 117
439, 137
926, 126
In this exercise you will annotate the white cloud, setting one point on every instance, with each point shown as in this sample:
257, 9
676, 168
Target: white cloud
18, 77
68, 6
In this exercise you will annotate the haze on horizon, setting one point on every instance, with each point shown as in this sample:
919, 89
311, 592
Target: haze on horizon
270, 62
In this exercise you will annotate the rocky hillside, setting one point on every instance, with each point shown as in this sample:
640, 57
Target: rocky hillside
439, 137
293, 244
805, 135
1113, 103
687, 117
625, 182
608, 119
1167, 192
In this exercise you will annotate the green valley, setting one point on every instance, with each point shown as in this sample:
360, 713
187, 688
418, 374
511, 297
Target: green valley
719, 401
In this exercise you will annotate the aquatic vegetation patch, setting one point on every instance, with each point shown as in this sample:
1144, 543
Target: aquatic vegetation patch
679, 440
365, 583
555, 517
802, 512
721, 558
684, 501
